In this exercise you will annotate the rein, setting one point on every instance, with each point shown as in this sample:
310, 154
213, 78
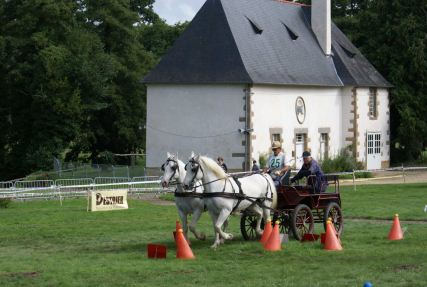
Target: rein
238, 196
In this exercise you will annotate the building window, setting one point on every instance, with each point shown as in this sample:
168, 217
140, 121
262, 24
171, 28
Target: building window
324, 146
276, 137
300, 147
373, 103
276, 134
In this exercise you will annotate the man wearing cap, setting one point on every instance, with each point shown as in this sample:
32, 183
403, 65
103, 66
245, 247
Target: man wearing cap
277, 167
312, 171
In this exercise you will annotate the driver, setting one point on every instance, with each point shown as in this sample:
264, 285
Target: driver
277, 167
312, 171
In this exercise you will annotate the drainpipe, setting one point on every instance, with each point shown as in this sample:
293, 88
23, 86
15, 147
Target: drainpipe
248, 127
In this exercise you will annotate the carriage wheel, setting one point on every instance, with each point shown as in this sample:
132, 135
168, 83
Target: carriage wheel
285, 222
248, 226
333, 210
302, 221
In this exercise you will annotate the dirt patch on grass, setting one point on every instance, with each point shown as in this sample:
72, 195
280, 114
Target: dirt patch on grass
384, 221
154, 199
406, 267
183, 271
31, 274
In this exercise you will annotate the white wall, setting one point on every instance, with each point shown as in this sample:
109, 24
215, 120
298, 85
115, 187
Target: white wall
199, 111
347, 115
274, 107
206, 110
381, 124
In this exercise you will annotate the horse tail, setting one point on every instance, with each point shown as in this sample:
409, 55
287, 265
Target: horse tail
271, 190
274, 192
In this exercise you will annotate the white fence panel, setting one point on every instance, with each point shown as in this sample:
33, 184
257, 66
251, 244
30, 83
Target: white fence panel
5, 185
34, 184
145, 184
112, 180
74, 187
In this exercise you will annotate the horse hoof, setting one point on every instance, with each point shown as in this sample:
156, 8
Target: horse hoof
214, 246
231, 236
202, 236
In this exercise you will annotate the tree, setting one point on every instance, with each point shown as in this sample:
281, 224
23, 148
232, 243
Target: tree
159, 37
70, 79
117, 127
395, 41
50, 68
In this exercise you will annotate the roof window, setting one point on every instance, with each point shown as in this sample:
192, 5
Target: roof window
348, 52
257, 28
291, 33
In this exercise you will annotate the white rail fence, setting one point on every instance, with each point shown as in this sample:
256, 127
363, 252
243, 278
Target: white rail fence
66, 188
137, 186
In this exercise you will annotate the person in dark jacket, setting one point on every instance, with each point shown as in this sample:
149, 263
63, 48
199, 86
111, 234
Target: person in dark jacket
313, 172
255, 166
221, 163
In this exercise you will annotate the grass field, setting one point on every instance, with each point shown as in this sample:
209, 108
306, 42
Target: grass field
44, 244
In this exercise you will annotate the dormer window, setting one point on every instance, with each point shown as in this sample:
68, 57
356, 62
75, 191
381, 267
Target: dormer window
291, 33
257, 28
349, 53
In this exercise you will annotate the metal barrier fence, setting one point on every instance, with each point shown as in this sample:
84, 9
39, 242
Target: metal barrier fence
78, 170
66, 188
6, 185
63, 188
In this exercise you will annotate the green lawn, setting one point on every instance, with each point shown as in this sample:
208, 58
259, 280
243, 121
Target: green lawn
383, 201
44, 244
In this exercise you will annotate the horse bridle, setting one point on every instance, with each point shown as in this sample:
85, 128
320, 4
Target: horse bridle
195, 167
175, 168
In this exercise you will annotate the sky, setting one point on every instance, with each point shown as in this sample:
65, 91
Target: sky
174, 11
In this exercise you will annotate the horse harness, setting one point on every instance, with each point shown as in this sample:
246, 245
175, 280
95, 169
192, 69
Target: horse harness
175, 168
240, 196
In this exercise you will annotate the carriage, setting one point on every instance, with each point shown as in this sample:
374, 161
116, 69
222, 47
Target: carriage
299, 208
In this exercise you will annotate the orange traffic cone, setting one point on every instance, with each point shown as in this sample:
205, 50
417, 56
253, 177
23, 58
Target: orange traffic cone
267, 231
183, 250
395, 231
273, 243
177, 226
331, 240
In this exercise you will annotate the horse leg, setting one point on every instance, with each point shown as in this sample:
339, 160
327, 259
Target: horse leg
183, 217
259, 212
217, 241
196, 216
266, 214
222, 217
224, 227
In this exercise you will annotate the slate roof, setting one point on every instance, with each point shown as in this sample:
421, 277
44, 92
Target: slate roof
260, 42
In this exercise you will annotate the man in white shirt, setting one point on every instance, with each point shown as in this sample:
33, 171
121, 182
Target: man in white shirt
276, 165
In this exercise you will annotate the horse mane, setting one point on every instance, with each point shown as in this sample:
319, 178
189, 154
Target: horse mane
212, 165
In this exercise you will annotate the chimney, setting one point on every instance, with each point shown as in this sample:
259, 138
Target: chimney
321, 23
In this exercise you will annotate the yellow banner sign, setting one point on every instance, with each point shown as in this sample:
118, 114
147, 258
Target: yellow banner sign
104, 200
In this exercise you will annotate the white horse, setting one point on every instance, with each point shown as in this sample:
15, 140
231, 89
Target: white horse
223, 195
174, 170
